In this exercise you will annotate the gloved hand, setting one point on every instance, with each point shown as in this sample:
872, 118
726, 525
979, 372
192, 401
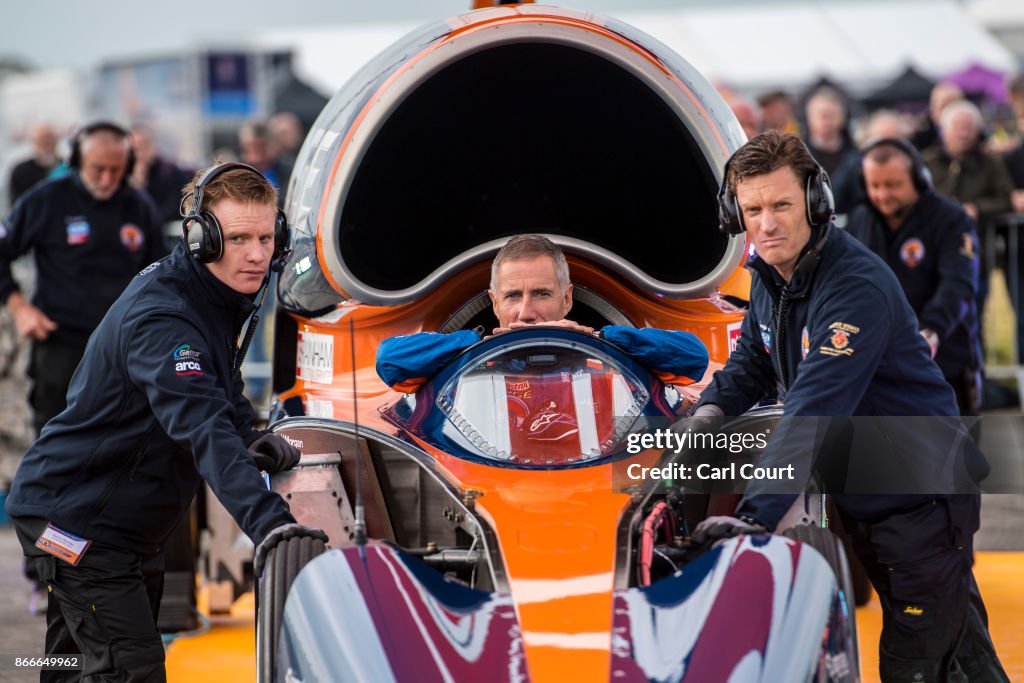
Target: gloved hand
273, 453
708, 410
717, 528
282, 533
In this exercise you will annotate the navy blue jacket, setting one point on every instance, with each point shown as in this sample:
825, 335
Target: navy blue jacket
154, 407
851, 347
86, 250
934, 255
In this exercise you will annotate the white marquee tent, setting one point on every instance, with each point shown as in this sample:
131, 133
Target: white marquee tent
747, 46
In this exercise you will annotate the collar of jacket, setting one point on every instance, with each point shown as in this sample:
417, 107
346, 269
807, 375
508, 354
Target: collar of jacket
922, 199
800, 283
76, 182
215, 291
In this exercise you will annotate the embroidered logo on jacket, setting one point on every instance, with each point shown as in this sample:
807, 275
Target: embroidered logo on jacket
912, 252
805, 343
839, 339
186, 361
132, 237
77, 231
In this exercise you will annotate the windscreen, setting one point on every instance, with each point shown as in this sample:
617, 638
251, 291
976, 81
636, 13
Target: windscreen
543, 405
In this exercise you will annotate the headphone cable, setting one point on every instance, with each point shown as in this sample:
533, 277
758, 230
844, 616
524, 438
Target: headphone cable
250, 331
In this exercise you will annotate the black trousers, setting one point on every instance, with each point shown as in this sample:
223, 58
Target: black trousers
51, 366
105, 609
934, 623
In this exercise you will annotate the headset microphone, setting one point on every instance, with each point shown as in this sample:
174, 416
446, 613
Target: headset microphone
277, 263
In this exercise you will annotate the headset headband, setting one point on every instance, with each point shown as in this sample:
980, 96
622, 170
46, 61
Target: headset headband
207, 177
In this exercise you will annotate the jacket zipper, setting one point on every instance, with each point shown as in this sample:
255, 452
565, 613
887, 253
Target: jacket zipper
781, 320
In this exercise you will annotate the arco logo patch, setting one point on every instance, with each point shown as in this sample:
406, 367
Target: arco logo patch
186, 361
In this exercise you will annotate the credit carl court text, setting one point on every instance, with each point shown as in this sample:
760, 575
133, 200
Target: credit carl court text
771, 453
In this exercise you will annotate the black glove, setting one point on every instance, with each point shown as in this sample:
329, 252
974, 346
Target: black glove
273, 453
716, 528
282, 533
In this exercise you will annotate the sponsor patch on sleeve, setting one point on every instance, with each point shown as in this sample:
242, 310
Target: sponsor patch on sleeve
838, 343
186, 361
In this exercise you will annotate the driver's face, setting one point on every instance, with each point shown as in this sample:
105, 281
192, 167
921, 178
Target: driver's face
528, 292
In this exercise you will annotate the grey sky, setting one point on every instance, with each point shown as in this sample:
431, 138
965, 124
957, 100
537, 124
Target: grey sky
81, 33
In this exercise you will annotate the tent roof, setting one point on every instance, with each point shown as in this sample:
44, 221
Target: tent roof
748, 46
861, 43
908, 87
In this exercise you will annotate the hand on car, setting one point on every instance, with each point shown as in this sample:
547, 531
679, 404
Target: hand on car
279, 534
721, 527
564, 324
273, 453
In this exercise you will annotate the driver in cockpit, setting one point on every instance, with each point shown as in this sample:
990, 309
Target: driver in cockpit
530, 286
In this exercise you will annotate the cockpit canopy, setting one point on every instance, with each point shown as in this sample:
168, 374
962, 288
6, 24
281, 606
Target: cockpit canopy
534, 399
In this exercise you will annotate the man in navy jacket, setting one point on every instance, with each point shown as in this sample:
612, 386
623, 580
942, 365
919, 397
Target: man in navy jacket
830, 331
90, 232
931, 245
155, 407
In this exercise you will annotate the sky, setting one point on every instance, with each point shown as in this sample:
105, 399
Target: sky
84, 33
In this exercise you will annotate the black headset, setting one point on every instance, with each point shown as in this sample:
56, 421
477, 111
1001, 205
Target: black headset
204, 238
819, 203
919, 172
75, 157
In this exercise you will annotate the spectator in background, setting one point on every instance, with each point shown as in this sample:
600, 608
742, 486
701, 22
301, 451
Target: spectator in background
37, 167
884, 123
942, 95
1014, 160
91, 233
159, 177
828, 140
778, 112
747, 113
287, 131
963, 171
929, 243
259, 149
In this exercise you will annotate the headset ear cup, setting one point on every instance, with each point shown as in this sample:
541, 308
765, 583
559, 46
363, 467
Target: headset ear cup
75, 155
282, 235
194, 233
203, 237
130, 166
214, 237
729, 219
820, 204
